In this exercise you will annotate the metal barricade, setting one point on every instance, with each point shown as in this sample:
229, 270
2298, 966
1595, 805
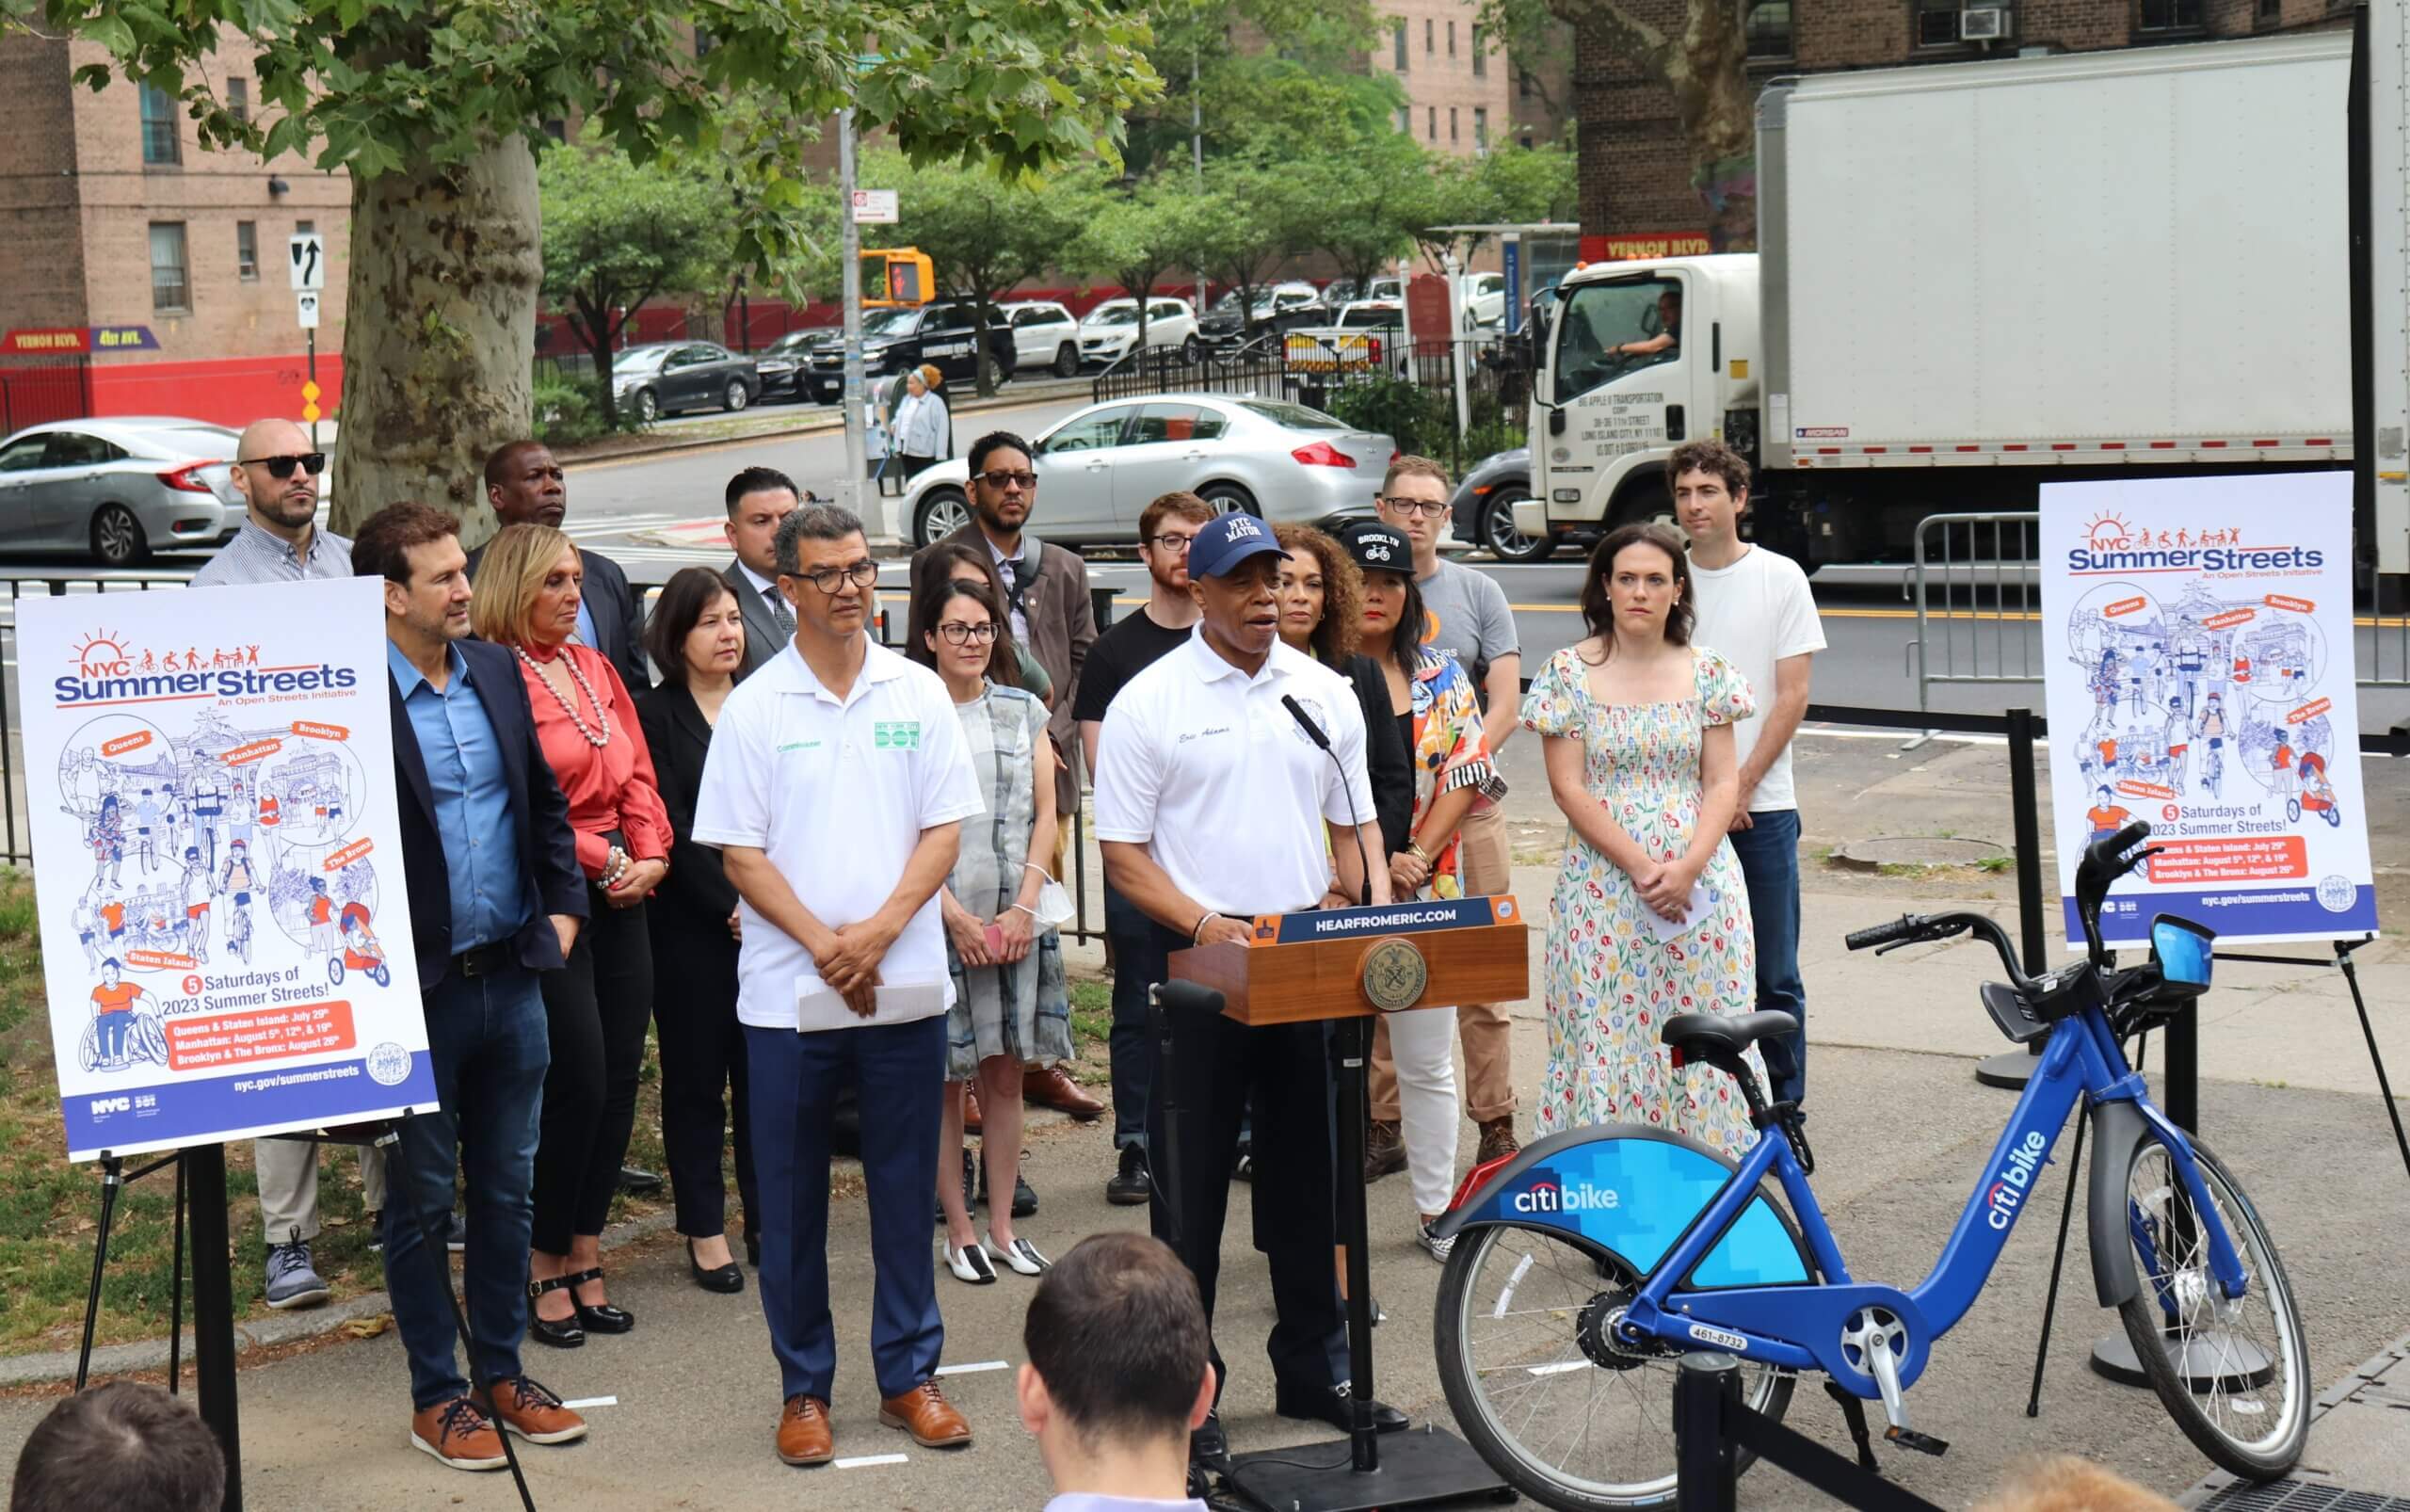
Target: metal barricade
1978, 603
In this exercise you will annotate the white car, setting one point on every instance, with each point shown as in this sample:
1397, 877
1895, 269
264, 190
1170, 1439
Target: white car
1099, 468
1111, 328
1045, 335
1484, 296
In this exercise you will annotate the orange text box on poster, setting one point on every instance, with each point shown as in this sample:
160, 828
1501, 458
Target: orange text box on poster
259, 1034
2241, 858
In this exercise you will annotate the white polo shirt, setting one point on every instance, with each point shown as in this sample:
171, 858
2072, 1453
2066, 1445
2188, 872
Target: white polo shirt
836, 794
1204, 766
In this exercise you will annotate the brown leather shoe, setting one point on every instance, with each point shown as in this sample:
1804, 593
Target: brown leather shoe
1050, 1087
458, 1434
971, 1123
925, 1414
803, 1432
1383, 1149
1497, 1139
531, 1411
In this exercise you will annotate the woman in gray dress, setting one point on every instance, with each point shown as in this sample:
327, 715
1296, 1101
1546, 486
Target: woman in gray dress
1011, 1010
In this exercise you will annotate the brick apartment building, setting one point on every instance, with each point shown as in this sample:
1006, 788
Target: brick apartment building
1463, 96
1636, 169
170, 262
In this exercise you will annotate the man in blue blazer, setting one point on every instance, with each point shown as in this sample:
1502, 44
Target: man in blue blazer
525, 486
490, 868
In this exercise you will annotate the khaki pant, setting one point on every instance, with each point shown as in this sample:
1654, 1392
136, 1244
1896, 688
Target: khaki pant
288, 1177
1489, 1079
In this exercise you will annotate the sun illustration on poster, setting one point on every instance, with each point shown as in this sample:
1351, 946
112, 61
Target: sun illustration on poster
2107, 531
101, 646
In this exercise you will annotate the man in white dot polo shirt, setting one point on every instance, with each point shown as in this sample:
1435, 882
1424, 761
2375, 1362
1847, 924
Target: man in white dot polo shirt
1214, 805
835, 788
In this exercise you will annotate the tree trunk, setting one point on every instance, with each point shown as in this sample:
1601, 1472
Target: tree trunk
1718, 112
439, 349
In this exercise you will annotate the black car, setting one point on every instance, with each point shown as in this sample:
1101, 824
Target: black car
663, 377
782, 363
943, 333
1483, 510
1282, 307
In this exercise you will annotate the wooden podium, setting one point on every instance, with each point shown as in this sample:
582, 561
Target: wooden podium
1346, 965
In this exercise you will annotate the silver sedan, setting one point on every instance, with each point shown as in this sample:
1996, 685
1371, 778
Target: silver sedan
118, 488
1099, 468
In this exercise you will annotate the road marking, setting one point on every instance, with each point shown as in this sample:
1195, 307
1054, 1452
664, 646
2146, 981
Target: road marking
591, 1401
863, 1461
966, 1370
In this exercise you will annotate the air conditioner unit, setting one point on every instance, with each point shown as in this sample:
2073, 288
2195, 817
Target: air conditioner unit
1984, 23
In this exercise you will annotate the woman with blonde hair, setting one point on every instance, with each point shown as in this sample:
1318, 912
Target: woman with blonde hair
528, 584
923, 429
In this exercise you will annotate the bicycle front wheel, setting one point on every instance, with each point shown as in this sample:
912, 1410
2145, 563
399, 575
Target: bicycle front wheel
2234, 1375
1568, 1418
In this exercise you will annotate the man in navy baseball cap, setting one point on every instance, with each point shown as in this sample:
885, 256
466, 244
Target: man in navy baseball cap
1226, 542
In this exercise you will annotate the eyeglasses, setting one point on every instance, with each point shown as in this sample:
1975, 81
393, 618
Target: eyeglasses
829, 580
280, 468
958, 634
1000, 480
1428, 508
1170, 543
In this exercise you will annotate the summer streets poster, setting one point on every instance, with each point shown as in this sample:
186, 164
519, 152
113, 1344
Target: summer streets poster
2197, 645
217, 863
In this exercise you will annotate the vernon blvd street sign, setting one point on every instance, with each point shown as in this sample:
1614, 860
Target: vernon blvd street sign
875, 207
309, 263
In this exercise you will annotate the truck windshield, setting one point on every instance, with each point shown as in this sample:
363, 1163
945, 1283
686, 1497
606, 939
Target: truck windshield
1608, 330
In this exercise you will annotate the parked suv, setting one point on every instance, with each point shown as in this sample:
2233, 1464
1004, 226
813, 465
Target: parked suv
1045, 335
941, 333
1111, 330
1282, 307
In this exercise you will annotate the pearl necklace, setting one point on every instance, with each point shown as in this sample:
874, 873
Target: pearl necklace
598, 742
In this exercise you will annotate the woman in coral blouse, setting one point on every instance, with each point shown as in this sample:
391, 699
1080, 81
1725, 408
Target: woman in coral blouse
527, 587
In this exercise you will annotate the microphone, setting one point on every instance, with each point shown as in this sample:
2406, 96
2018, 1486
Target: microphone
1315, 734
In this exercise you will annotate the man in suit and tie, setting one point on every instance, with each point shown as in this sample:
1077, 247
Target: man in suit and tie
495, 896
527, 487
758, 499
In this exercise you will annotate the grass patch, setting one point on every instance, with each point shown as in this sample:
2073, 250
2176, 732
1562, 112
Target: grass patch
1091, 1029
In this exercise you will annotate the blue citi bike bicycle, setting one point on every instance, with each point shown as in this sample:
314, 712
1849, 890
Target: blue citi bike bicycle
1587, 1264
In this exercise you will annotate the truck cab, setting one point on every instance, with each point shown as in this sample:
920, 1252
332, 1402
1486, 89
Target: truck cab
1634, 359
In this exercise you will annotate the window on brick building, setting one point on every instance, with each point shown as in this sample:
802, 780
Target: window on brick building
1452, 124
1525, 85
2169, 15
238, 99
1405, 119
160, 143
1769, 29
2268, 12
1431, 123
1452, 39
246, 250
1397, 60
1937, 23
1481, 127
1481, 52
1429, 30
170, 274
303, 227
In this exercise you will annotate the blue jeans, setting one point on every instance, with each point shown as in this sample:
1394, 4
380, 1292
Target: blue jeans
1769, 852
899, 1068
113, 1028
1138, 964
486, 1040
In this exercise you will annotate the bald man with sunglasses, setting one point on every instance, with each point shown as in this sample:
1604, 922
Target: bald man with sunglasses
277, 474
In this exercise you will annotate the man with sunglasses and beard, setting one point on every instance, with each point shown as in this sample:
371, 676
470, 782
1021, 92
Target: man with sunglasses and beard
1046, 595
277, 474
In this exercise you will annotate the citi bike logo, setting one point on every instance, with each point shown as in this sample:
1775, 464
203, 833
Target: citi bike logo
1550, 1196
2008, 1192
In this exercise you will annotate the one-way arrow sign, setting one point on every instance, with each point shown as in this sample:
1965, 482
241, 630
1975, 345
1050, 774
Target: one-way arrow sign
309, 262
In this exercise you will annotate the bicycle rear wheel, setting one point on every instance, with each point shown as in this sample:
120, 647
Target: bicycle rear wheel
2235, 1377
1569, 1421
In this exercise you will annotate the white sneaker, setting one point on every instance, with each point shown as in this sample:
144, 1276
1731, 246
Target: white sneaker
1020, 1255
970, 1266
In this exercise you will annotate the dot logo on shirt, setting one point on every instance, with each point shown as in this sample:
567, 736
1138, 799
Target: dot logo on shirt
895, 734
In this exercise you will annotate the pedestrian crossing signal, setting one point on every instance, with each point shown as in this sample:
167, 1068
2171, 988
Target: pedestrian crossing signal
897, 278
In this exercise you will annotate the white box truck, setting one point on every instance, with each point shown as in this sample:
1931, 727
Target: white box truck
1977, 277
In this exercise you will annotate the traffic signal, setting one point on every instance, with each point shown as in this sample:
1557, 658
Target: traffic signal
897, 277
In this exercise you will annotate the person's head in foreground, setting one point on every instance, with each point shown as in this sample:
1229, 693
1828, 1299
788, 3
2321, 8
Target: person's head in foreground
123, 1446
2063, 1483
1119, 1369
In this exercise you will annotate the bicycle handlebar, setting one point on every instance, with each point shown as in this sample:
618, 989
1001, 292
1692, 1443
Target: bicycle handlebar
1921, 928
1903, 927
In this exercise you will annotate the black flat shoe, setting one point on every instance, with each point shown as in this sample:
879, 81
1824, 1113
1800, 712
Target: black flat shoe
605, 1318
566, 1334
722, 1278
1331, 1405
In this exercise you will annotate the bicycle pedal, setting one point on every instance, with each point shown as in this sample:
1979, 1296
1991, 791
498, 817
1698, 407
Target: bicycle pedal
1923, 1443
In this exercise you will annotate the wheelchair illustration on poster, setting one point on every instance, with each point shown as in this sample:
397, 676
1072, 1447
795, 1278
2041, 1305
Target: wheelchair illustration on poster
121, 1035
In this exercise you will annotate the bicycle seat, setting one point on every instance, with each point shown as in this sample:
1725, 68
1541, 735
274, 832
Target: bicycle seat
1703, 1033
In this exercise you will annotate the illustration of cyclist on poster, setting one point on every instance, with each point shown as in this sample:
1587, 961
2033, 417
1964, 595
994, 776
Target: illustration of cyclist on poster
2197, 645
219, 976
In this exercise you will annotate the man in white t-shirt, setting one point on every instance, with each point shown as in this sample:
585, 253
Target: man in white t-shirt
1214, 805
1755, 607
835, 788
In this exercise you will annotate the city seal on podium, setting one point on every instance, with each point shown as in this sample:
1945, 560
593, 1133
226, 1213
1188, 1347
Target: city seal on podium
1395, 975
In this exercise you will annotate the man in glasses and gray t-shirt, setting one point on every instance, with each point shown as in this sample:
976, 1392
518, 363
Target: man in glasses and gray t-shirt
277, 474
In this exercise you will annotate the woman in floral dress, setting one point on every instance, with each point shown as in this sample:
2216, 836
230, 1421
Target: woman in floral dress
1637, 726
